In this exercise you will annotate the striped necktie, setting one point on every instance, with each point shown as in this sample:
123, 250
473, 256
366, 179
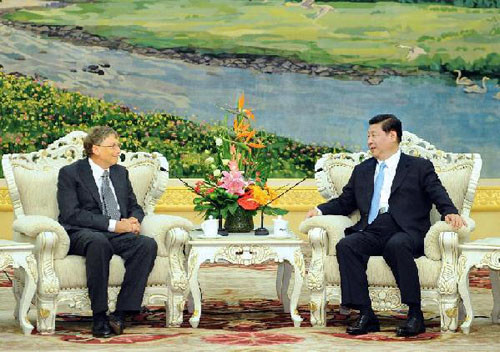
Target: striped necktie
110, 208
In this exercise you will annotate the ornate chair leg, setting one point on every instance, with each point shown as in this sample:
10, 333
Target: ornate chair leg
46, 315
317, 307
174, 309
448, 281
448, 309
48, 284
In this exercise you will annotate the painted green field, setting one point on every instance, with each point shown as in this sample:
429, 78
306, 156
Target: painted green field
329, 33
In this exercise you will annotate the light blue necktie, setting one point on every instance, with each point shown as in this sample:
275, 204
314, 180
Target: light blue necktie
377, 189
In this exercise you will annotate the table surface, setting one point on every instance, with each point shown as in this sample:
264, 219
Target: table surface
11, 245
483, 243
246, 238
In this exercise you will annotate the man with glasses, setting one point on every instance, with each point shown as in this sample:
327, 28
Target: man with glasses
99, 210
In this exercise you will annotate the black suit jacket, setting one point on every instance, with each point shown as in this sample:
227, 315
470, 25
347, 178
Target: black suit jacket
415, 188
80, 206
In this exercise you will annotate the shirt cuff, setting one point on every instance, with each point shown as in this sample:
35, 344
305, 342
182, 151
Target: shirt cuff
112, 225
319, 211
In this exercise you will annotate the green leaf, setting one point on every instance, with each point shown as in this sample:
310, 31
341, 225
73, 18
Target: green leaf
233, 207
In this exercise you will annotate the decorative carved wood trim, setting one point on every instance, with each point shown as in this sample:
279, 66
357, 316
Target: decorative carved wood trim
302, 198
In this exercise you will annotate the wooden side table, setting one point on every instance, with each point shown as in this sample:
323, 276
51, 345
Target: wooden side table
481, 253
249, 249
19, 255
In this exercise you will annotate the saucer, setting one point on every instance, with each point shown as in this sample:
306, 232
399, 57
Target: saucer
203, 236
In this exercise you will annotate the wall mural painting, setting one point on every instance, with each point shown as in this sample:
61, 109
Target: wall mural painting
313, 72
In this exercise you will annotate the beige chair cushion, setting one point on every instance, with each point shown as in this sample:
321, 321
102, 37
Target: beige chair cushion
379, 273
72, 273
141, 177
455, 181
34, 201
339, 175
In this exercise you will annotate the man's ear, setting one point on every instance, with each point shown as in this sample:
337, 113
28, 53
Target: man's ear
95, 150
394, 135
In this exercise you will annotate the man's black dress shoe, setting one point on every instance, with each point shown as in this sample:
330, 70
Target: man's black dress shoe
414, 325
101, 328
364, 325
117, 324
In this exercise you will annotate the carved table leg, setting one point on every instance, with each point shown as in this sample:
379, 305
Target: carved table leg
194, 263
30, 276
190, 303
279, 280
283, 278
299, 273
495, 290
463, 289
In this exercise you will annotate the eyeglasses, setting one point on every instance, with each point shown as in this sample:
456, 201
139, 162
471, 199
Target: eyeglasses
114, 146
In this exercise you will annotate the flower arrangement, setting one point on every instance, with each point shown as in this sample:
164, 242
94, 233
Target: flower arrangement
236, 178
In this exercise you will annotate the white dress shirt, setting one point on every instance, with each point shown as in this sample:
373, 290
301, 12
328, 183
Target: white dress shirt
97, 172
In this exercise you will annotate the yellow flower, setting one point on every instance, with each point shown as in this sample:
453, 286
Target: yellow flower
261, 196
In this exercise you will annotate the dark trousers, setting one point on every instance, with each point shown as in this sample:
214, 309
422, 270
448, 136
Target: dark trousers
138, 252
382, 237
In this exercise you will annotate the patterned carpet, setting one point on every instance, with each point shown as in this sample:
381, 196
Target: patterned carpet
244, 315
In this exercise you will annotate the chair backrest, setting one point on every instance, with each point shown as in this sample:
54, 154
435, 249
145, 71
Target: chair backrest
459, 173
32, 177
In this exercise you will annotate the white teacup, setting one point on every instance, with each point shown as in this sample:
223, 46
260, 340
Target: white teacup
210, 227
280, 227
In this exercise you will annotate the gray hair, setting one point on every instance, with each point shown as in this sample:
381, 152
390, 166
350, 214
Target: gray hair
96, 136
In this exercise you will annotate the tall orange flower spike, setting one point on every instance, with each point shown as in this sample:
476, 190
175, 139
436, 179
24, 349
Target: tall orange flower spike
241, 101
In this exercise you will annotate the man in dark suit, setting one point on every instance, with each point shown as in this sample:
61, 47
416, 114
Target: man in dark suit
394, 193
99, 210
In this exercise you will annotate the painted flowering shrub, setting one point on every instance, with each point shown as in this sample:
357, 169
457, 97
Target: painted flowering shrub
35, 113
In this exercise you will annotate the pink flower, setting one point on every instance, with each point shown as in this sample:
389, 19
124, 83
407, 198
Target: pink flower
233, 182
233, 165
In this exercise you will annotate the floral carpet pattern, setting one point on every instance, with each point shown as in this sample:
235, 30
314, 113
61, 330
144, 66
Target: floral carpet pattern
243, 314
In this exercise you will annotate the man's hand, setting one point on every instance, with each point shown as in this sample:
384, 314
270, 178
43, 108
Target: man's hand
128, 225
455, 221
312, 212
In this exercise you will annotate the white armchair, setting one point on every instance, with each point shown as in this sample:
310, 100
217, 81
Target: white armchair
32, 183
438, 268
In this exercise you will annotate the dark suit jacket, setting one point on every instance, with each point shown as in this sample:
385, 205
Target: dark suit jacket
415, 188
80, 206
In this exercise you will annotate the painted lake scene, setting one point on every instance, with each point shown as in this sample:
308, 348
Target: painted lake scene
164, 73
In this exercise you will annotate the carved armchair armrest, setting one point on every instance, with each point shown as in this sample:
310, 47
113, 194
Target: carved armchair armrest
171, 234
333, 227
434, 238
34, 226
324, 232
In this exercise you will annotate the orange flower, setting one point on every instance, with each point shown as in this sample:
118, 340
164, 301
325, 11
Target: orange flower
241, 101
256, 145
249, 113
247, 202
243, 134
241, 126
250, 136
